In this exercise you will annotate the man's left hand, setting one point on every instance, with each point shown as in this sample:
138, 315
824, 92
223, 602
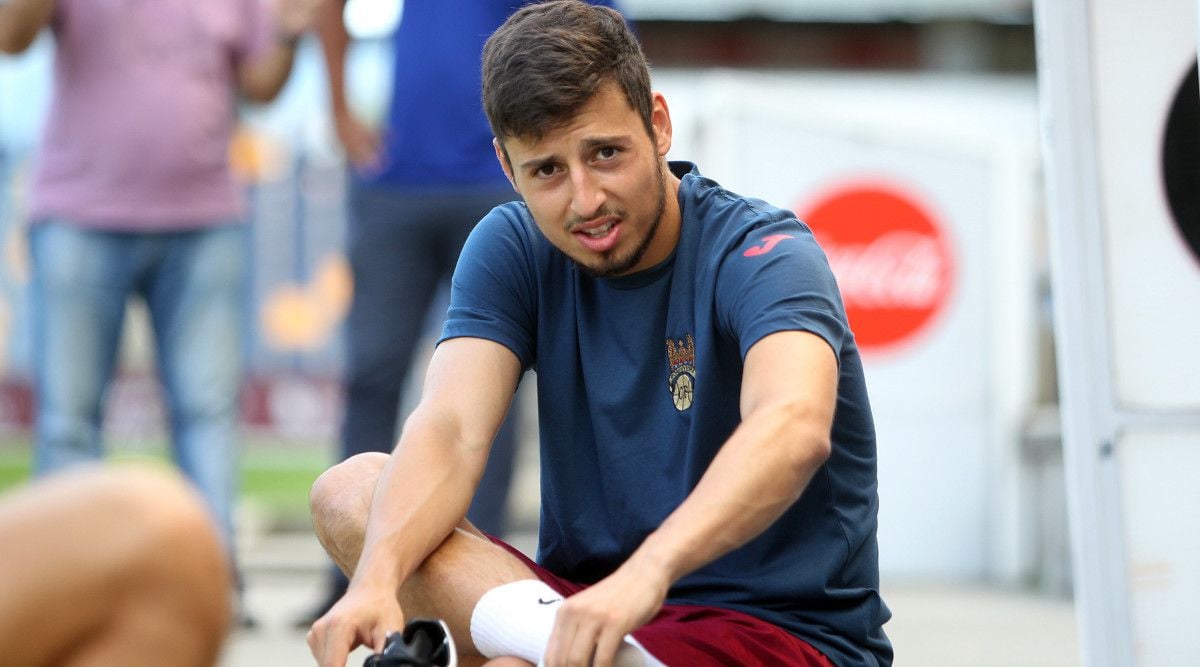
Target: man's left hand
591, 625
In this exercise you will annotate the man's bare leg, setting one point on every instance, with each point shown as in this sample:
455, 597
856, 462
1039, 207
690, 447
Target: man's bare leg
447, 585
110, 566
513, 622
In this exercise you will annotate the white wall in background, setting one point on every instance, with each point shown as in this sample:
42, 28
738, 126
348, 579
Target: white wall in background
952, 395
830, 10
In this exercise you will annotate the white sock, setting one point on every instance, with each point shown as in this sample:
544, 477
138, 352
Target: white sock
516, 619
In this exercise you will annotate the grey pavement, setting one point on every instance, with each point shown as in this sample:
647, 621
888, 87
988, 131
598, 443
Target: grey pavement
933, 624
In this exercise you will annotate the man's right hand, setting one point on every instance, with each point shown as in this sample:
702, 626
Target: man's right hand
361, 143
363, 617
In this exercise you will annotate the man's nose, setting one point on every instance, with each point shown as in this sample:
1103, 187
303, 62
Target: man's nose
587, 196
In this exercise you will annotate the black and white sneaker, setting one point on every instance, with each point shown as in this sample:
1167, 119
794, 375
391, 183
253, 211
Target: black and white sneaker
425, 642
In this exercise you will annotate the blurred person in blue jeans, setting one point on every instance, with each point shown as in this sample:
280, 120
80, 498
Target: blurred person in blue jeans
417, 187
133, 195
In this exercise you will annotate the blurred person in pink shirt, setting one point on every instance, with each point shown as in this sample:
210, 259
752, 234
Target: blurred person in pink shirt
133, 195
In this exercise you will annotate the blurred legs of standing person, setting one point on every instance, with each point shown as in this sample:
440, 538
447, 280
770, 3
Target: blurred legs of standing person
194, 285
110, 566
402, 247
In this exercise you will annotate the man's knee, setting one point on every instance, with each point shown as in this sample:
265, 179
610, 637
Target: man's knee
352, 477
345, 491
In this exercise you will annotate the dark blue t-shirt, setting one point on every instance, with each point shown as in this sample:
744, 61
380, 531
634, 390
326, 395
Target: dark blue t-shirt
437, 134
639, 380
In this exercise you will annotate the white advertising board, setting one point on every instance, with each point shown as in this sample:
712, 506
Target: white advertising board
923, 192
1163, 579
1142, 55
1121, 112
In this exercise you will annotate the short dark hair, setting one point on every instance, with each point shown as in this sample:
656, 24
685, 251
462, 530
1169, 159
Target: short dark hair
549, 59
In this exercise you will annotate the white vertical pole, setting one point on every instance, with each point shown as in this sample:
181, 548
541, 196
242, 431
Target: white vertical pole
1078, 280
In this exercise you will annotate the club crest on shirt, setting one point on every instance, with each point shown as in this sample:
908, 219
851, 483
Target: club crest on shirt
681, 355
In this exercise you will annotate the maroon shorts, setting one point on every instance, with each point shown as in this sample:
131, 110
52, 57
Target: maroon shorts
696, 636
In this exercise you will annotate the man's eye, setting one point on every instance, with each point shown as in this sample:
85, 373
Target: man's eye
607, 153
544, 171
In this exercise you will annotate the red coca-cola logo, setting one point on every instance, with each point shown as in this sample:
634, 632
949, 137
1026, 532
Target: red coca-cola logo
892, 261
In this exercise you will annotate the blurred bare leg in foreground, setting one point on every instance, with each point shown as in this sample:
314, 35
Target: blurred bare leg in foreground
110, 566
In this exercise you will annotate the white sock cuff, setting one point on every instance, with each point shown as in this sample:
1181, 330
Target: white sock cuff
515, 619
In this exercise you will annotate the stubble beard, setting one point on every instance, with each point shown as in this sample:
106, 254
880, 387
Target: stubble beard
617, 266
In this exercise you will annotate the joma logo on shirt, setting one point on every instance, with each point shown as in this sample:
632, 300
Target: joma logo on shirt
681, 355
768, 244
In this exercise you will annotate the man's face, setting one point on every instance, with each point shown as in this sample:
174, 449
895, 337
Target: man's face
596, 186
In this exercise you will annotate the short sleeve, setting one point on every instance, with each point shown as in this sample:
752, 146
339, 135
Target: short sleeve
493, 291
257, 32
778, 279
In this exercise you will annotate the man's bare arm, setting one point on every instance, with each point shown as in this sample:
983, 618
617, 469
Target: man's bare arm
331, 29
360, 143
789, 392
424, 490
427, 486
20, 22
261, 79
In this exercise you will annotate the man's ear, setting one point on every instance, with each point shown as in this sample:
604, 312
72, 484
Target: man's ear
660, 120
502, 157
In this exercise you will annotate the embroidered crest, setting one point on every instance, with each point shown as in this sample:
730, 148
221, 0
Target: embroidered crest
681, 355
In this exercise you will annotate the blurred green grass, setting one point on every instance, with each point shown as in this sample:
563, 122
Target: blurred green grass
276, 473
